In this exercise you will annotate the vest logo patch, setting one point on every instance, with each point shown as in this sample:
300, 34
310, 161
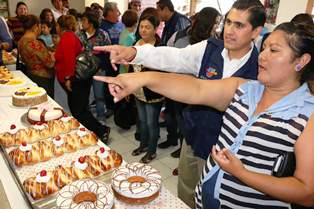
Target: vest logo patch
210, 72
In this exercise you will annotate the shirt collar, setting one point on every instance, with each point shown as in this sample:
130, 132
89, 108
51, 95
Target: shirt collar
225, 55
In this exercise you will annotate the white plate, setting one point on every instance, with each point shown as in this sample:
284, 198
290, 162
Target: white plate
102, 191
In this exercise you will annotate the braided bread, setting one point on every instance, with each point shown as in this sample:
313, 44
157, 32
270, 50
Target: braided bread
48, 182
39, 131
44, 150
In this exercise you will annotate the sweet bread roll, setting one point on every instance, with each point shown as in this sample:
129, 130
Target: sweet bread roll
63, 176
81, 169
108, 159
94, 163
59, 146
41, 185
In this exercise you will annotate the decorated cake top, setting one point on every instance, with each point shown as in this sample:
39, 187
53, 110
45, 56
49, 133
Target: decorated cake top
29, 92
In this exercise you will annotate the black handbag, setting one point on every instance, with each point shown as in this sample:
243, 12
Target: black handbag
86, 66
284, 165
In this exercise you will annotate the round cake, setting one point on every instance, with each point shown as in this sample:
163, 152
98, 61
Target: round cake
29, 96
85, 193
136, 183
44, 113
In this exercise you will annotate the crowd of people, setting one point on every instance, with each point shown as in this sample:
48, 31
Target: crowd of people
234, 113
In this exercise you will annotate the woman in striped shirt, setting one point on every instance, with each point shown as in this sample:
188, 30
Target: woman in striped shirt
263, 119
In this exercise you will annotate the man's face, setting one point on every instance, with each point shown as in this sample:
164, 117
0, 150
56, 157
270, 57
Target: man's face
162, 13
114, 14
22, 10
238, 32
136, 6
57, 4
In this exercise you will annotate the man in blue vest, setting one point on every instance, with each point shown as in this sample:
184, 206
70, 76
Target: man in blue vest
211, 59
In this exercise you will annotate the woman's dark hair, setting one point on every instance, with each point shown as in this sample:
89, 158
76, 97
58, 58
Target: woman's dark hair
42, 17
302, 18
129, 18
203, 24
92, 18
67, 22
18, 5
74, 13
29, 21
152, 19
300, 38
148, 11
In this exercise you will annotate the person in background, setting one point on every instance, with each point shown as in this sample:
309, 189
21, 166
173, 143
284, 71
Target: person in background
6, 42
78, 18
302, 18
174, 21
148, 103
127, 36
58, 9
14, 23
212, 59
262, 120
66, 4
92, 36
39, 62
135, 5
46, 35
113, 27
77, 91
95, 7
46, 15
111, 23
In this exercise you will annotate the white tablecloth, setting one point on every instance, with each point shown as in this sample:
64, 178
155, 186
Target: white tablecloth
9, 115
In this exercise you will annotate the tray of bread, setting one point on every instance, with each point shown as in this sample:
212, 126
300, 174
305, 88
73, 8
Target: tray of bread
46, 156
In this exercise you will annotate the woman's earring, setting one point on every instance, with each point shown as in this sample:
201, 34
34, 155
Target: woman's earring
298, 67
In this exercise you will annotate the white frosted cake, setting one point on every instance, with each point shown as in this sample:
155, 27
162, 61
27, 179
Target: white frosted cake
43, 113
29, 96
136, 183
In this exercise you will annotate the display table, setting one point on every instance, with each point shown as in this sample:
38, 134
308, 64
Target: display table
9, 115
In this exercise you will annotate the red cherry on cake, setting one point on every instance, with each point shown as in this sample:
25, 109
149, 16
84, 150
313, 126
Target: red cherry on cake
39, 123
43, 173
81, 160
13, 127
82, 129
24, 144
57, 138
102, 149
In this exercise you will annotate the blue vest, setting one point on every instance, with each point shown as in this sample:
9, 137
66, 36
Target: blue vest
202, 124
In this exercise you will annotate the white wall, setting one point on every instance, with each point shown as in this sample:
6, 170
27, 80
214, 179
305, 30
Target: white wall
288, 9
35, 6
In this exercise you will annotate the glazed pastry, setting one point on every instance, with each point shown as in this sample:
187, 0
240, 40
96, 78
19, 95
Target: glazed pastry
63, 176
44, 150
41, 185
39, 131
81, 169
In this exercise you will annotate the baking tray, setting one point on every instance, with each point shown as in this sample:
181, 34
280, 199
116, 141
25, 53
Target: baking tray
21, 173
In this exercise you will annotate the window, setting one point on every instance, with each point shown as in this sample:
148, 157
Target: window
223, 6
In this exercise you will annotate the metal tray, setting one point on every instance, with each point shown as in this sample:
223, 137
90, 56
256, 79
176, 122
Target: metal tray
19, 174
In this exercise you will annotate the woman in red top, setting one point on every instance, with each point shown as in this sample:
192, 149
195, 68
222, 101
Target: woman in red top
77, 90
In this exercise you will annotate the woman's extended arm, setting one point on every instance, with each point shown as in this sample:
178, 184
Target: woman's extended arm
296, 189
183, 88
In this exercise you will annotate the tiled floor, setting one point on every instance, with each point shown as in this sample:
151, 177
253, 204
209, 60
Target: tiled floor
123, 141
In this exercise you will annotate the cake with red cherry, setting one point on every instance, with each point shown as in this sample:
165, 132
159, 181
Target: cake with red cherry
44, 113
29, 96
136, 183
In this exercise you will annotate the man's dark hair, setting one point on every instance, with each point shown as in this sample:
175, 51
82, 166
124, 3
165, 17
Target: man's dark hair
165, 3
18, 5
92, 18
256, 10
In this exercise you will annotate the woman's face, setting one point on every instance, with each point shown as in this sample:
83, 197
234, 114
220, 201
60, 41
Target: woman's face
276, 62
86, 24
49, 17
147, 30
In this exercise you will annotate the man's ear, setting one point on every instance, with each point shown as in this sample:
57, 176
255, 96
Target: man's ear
256, 32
